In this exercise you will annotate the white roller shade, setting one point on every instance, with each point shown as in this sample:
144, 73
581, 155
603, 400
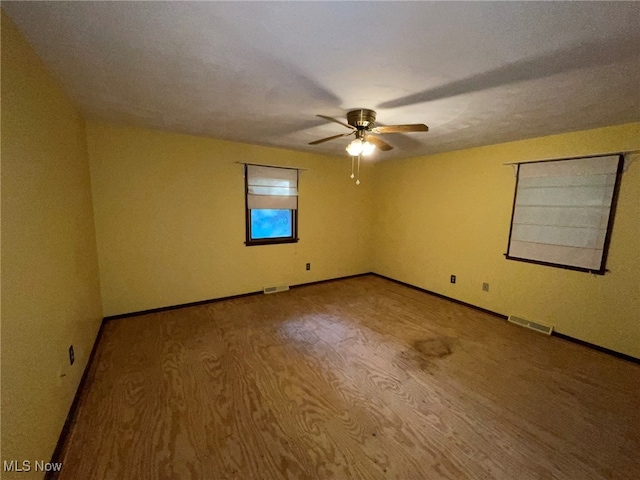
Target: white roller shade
272, 188
562, 211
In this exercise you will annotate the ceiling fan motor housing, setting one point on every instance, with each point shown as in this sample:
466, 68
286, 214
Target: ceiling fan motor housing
362, 119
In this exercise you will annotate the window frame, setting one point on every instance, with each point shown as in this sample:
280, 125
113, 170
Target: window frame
612, 211
251, 242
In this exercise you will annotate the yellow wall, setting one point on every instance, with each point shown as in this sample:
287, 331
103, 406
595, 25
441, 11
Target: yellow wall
170, 219
449, 214
50, 282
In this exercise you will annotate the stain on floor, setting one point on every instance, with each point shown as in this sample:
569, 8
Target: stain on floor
434, 347
426, 353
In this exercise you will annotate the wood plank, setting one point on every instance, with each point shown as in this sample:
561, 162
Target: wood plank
359, 378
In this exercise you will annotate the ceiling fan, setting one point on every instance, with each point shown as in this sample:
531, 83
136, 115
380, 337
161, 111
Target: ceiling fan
362, 124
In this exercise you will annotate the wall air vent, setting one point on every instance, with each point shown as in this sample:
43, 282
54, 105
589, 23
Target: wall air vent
276, 288
538, 327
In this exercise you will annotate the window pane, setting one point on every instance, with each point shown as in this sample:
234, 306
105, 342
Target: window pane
271, 223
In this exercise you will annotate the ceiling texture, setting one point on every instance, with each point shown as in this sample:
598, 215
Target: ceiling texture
476, 73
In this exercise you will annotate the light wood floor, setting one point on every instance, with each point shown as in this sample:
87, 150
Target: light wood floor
354, 379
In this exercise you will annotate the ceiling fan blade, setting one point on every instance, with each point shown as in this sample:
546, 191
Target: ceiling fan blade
415, 127
337, 121
381, 144
330, 138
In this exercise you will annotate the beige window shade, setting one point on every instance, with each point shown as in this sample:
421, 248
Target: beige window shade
562, 214
272, 188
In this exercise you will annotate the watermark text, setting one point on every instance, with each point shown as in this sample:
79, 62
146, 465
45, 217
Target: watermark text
28, 466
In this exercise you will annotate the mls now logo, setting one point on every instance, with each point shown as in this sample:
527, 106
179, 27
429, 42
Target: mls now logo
26, 466
16, 466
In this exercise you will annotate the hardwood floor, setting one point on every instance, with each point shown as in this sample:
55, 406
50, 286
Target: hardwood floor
354, 379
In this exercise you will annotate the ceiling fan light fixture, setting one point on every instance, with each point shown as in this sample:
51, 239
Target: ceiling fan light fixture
358, 147
355, 148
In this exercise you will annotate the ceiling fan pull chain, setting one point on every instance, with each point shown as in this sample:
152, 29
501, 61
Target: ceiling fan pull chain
352, 160
358, 179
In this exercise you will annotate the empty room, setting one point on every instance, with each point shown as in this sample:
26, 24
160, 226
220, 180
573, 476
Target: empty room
320, 240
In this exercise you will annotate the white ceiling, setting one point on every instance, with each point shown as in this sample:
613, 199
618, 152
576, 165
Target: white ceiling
477, 73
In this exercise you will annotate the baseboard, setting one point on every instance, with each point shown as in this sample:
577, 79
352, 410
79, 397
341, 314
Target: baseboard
56, 457
593, 346
179, 306
439, 295
220, 299
332, 280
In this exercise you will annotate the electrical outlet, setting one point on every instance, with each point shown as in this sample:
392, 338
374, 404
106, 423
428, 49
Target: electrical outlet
308, 266
485, 287
453, 279
72, 356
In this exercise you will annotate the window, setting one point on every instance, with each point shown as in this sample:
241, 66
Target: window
271, 204
563, 212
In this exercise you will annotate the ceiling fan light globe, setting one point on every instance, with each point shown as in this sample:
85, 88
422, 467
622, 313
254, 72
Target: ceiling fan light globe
368, 148
355, 147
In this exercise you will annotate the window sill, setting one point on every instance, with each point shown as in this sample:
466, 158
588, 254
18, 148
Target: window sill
270, 241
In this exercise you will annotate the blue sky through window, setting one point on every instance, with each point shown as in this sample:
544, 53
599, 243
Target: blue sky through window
267, 223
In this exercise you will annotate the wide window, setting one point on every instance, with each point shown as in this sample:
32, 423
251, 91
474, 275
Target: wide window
563, 212
272, 204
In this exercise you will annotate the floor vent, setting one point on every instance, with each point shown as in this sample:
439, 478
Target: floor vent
275, 289
538, 327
